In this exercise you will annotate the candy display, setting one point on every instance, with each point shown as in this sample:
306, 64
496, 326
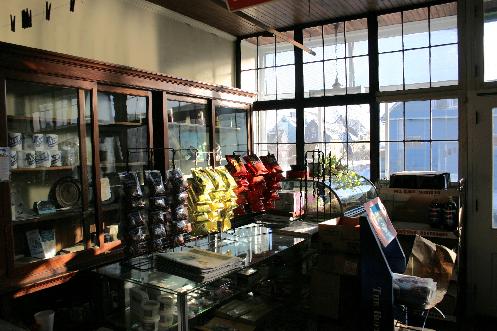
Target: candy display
136, 234
240, 174
157, 208
273, 179
178, 222
258, 181
211, 199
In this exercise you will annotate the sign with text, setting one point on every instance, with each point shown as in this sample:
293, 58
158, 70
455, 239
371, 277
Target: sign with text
234, 5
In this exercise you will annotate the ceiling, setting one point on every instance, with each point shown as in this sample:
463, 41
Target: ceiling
279, 14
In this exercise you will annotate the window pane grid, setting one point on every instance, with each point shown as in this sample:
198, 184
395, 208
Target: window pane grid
436, 120
341, 47
420, 29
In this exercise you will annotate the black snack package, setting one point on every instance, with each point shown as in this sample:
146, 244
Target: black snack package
181, 213
175, 181
136, 203
156, 217
131, 184
157, 230
154, 181
138, 248
182, 198
137, 234
158, 203
158, 244
135, 219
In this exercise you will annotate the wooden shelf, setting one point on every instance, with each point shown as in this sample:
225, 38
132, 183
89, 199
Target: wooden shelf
27, 170
58, 215
422, 229
227, 128
188, 125
122, 164
121, 124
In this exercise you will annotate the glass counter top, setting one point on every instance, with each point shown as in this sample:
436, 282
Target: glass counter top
253, 243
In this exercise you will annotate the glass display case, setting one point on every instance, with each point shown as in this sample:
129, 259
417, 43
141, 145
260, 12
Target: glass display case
188, 125
124, 138
182, 299
322, 200
231, 130
50, 165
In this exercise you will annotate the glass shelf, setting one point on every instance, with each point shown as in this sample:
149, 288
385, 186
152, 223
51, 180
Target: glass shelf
253, 243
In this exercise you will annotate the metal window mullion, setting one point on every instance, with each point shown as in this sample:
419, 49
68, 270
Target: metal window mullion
403, 63
404, 131
429, 57
431, 124
345, 63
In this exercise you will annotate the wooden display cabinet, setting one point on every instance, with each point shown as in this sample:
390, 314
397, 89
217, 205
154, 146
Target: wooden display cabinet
92, 117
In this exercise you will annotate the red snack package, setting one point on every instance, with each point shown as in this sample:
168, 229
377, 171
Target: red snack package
255, 165
271, 163
242, 182
235, 166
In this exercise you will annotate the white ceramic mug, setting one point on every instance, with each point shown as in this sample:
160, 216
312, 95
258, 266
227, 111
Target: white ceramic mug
15, 141
38, 140
45, 320
13, 159
42, 159
26, 159
55, 158
52, 141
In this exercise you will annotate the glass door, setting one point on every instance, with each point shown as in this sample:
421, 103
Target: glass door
231, 130
50, 174
124, 136
482, 225
189, 125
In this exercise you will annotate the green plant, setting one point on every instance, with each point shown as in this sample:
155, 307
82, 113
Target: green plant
340, 173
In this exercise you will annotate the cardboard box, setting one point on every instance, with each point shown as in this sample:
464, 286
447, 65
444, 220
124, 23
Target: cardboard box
413, 205
338, 263
339, 235
325, 294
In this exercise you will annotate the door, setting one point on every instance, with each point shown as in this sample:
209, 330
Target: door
482, 222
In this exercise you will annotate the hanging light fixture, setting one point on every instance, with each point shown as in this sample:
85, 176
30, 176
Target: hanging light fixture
336, 84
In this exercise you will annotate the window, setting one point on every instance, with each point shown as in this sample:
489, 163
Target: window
268, 67
419, 135
489, 46
341, 131
274, 132
418, 48
341, 64
494, 168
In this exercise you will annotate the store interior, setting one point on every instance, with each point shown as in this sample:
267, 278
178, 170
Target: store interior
251, 165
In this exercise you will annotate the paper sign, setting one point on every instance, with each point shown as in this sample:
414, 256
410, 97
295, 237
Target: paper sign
378, 218
234, 5
4, 164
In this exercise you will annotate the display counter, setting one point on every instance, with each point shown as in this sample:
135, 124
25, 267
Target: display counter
189, 299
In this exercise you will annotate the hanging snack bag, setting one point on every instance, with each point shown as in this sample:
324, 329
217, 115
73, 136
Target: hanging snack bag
158, 203
271, 163
235, 166
157, 230
156, 217
131, 185
136, 203
255, 165
175, 181
135, 219
155, 183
